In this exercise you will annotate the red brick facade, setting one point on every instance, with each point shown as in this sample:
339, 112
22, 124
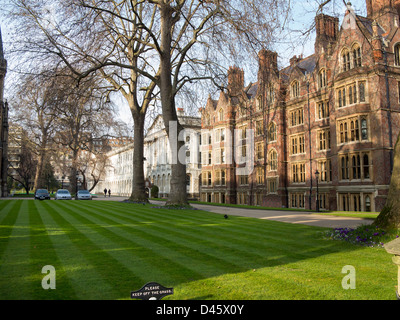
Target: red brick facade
336, 111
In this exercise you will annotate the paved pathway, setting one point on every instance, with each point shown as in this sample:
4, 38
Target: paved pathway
286, 216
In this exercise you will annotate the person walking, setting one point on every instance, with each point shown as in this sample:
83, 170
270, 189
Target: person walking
109, 192
105, 192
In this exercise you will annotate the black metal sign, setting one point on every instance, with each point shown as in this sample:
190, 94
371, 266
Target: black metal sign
152, 291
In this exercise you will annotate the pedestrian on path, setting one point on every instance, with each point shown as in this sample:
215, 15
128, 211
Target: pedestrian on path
109, 192
105, 192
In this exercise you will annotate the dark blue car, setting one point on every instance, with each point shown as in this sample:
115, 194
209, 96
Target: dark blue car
42, 194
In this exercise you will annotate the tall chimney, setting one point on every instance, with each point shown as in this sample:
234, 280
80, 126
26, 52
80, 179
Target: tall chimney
267, 64
235, 81
327, 29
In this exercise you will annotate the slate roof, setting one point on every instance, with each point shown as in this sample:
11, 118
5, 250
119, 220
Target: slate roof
367, 23
306, 66
252, 91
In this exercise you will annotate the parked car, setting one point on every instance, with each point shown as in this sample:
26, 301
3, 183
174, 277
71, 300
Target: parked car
42, 194
83, 195
62, 194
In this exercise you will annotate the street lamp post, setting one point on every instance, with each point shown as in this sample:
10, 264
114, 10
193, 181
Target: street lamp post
62, 182
317, 178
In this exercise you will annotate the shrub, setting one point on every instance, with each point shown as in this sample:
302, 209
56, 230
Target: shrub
154, 191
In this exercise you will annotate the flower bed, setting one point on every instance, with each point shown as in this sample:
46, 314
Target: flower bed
365, 235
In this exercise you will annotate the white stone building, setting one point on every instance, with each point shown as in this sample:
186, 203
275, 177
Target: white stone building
158, 156
118, 174
157, 160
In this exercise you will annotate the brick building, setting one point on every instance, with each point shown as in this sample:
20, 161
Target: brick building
332, 116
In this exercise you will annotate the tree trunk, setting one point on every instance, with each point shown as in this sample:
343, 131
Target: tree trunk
38, 176
74, 171
39, 183
389, 217
138, 187
177, 195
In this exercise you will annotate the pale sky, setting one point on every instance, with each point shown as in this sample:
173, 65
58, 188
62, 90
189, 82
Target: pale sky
290, 40
293, 42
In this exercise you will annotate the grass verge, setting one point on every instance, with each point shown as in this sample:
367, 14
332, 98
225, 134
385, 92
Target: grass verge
105, 250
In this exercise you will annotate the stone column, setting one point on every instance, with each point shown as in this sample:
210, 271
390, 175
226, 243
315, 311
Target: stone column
393, 247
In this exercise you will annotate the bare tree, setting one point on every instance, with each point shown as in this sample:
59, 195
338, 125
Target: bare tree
137, 46
99, 37
93, 168
36, 111
189, 27
82, 115
24, 171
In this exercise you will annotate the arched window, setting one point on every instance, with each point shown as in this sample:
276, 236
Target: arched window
208, 120
273, 160
356, 50
221, 114
270, 94
343, 175
357, 131
345, 60
366, 166
356, 167
361, 90
364, 129
341, 133
272, 135
351, 95
295, 89
397, 54
367, 203
352, 131
259, 103
344, 97
322, 78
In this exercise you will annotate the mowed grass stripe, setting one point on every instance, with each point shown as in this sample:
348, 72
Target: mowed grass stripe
187, 252
289, 256
15, 266
314, 274
82, 272
3, 206
257, 246
127, 248
212, 249
259, 231
165, 255
100, 251
248, 226
7, 223
272, 229
43, 254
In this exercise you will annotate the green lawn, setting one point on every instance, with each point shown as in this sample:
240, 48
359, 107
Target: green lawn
105, 250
